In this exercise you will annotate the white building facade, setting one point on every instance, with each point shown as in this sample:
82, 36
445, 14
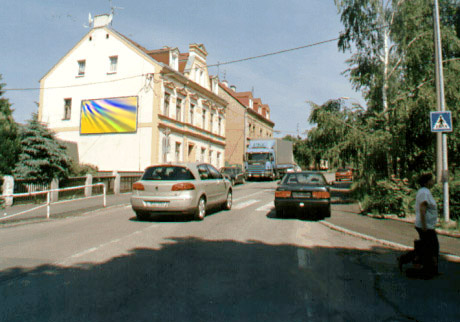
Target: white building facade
127, 107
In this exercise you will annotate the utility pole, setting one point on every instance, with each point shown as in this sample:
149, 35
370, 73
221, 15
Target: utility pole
441, 137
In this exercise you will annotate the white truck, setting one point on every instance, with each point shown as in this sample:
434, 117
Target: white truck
268, 158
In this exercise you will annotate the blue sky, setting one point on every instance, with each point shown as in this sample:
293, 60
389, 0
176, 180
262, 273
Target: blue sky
35, 34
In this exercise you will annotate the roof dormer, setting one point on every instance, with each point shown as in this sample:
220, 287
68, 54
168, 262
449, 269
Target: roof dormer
174, 59
198, 50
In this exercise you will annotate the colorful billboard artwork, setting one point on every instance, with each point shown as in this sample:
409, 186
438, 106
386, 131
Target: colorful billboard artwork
109, 115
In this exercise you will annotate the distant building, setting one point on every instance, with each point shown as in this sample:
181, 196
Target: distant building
247, 118
127, 107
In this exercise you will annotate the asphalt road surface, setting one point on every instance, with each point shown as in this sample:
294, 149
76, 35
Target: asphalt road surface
240, 265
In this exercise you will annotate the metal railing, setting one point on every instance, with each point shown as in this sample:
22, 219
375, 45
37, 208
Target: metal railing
48, 198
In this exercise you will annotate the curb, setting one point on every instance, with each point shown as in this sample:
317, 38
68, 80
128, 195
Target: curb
384, 242
409, 221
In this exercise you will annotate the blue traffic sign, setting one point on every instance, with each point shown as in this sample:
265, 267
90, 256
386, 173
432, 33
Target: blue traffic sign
441, 121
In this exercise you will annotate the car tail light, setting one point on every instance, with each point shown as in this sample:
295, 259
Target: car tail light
321, 194
282, 194
183, 186
138, 186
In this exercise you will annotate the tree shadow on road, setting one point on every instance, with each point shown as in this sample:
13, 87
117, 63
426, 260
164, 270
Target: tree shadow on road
191, 279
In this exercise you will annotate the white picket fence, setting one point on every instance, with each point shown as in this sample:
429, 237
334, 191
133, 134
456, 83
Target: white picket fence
48, 198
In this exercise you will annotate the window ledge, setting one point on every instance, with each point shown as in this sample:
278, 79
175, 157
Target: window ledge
111, 73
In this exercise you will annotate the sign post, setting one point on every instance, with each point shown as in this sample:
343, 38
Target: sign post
440, 124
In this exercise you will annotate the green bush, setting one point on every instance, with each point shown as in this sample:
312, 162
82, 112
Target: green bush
82, 169
389, 197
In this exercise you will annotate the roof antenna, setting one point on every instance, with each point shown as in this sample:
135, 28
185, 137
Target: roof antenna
90, 21
112, 10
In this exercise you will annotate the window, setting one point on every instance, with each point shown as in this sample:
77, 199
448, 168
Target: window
204, 119
212, 122
177, 151
166, 104
203, 153
218, 159
220, 126
67, 108
215, 174
204, 173
81, 67
192, 112
113, 64
210, 156
174, 61
178, 109
167, 173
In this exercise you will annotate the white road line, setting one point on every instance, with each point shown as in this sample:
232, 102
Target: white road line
303, 258
93, 249
245, 204
267, 207
248, 196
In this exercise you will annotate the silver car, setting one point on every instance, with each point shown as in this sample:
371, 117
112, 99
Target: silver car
180, 188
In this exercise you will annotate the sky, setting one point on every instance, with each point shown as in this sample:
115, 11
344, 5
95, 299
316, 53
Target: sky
36, 34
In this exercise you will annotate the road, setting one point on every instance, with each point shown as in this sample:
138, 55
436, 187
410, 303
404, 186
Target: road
238, 265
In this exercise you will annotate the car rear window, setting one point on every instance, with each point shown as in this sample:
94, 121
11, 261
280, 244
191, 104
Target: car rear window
230, 170
304, 178
342, 170
167, 173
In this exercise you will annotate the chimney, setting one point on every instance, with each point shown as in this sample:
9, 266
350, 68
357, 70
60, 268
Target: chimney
102, 20
233, 88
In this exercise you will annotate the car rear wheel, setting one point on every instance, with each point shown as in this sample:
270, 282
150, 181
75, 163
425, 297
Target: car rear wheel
228, 203
200, 212
279, 212
141, 215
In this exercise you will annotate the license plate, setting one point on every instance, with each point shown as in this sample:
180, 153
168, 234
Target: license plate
301, 194
160, 204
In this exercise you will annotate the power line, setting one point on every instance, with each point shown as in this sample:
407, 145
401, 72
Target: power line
69, 86
212, 65
274, 53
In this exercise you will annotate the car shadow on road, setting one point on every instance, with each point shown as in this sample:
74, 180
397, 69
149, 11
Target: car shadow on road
174, 218
303, 216
193, 279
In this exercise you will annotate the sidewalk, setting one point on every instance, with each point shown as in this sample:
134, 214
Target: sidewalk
29, 213
385, 229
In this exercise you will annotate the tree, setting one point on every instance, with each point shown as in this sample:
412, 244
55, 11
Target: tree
394, 66
9, 136
43, 158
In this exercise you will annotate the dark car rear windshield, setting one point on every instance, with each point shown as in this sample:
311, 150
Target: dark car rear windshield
304, 178
167, 173
230, 170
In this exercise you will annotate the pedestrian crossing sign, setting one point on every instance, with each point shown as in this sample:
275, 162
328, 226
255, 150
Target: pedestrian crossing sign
441, 121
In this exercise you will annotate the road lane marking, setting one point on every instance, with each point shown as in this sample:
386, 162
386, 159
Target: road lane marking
248, 196
303, 258
93, 249
267, 207
246, 204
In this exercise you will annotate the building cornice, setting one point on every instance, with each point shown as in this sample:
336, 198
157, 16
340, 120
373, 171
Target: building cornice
175, 126
171, 73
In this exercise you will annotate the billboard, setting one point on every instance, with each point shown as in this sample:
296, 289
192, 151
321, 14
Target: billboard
109, 115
